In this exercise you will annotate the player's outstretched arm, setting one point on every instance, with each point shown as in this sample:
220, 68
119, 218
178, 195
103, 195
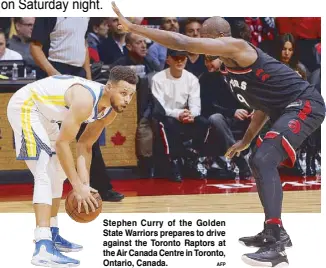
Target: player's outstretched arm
224, 46
85, 144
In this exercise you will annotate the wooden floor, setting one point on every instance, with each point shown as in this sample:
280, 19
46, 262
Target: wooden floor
293, 201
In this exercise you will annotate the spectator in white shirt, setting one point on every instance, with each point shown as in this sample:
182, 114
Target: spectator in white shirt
178, 92
6, 53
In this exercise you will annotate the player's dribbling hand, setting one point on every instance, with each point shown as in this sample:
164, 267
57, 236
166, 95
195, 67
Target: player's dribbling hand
236, 149
85, 198
122, 20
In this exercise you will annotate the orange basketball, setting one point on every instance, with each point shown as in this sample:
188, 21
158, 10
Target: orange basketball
71, 206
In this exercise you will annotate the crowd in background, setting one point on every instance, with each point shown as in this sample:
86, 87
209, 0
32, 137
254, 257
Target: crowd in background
187, 117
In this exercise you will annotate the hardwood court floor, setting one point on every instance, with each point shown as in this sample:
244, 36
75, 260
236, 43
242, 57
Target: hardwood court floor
162, 196
294, 202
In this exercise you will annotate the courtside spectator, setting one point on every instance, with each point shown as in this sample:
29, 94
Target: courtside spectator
195, 63
178, 92
98, 30
158, 52
113, 47
137, 54
20, 42
6, 53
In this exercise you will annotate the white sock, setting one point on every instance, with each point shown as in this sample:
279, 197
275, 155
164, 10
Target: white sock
42, 233
54, 221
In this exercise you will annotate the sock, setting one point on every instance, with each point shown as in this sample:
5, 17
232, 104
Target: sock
42, 233
54, 221
274, 221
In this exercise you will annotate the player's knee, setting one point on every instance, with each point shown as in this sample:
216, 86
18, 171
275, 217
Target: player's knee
42, 189
260, 160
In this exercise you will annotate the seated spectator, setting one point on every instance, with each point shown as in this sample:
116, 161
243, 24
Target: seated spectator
288, 54
158, 52
113, 47
307, 32
195, 63
178, 92
137, 52
229, 120
21, 41
6, 53
98, 30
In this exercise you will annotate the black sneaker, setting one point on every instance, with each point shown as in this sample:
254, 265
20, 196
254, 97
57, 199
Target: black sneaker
112, 196
259, 240
273, 255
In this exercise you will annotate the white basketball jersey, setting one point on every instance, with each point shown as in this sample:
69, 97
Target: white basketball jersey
46, 96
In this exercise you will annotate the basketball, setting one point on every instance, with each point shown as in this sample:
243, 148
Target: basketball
71, 206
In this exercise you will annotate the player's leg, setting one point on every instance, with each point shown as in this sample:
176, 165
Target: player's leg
57, 177
32, 145
45, 253
259, 239
264, 163
279, 145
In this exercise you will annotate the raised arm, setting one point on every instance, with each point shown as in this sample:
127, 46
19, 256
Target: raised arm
224, 46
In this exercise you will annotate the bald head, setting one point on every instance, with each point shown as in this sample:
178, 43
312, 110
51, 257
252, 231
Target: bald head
215, 27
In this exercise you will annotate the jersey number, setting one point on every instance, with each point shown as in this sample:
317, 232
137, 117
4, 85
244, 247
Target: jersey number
242, 99
239, 96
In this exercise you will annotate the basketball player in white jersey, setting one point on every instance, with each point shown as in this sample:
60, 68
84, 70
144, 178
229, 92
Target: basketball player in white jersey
34, 112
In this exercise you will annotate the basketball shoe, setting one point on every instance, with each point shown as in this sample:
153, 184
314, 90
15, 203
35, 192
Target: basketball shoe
62, 244
47, 255
259, 240
272, 254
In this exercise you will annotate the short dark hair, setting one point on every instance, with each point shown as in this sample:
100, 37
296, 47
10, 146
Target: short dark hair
95, 22
189, 21
123, 73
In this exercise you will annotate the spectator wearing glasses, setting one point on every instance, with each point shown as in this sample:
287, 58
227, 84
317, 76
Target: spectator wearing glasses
21, 41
